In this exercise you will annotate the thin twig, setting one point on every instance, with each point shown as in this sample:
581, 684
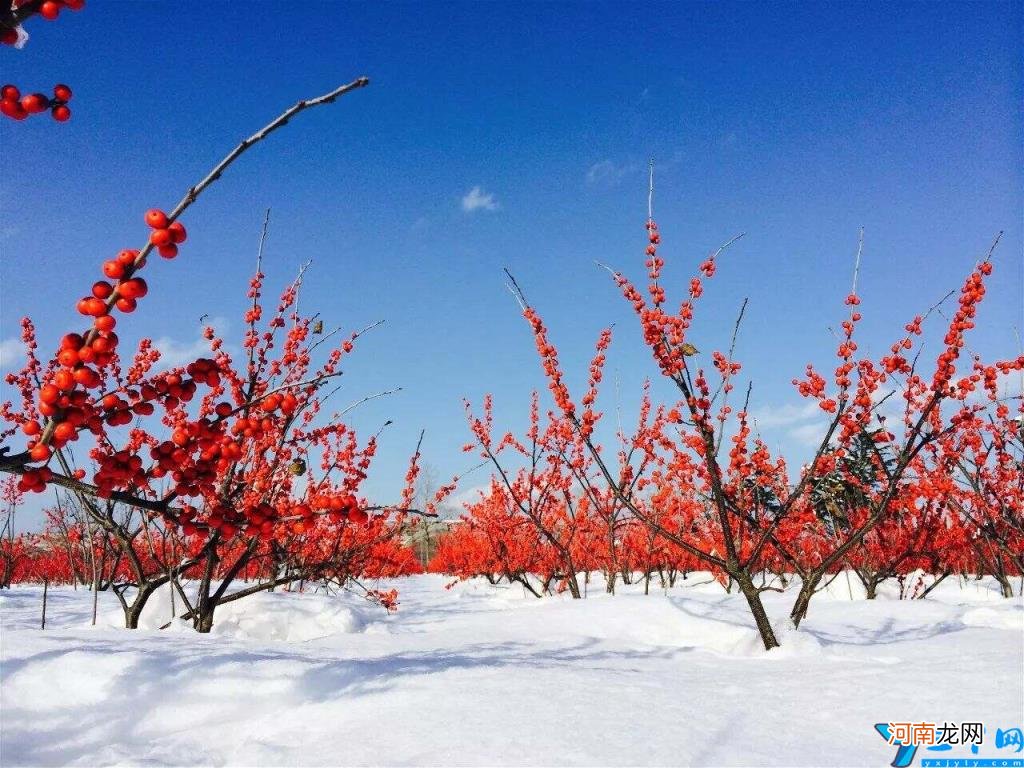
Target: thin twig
650, 189
516, 290
856, 262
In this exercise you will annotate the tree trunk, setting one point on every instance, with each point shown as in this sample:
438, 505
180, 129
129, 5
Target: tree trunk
203, 618
870, 589
764, 626
803, 598
133, 612
574, 585
1005, 587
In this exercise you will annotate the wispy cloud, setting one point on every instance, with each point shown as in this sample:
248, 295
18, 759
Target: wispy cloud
786, 415
802, 424
174, 352
458, 500
12, 352
809, 434
609, 173
478, 200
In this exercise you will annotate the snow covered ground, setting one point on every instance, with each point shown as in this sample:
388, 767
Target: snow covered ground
482, 675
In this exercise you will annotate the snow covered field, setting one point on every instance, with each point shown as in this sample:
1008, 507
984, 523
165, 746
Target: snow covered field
482, 675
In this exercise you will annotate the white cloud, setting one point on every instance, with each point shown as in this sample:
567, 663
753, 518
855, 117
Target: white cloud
809, 434
609, 173
174, 352
786, 415
458, 500
1008, 385
12, 352
476, 199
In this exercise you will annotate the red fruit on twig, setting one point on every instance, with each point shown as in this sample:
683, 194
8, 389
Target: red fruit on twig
156, 218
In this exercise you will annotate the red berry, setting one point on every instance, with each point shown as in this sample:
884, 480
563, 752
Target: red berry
178, 233
168, 251
358, 516
87, 377
61, 113
61, 92
13, 109
90, 305
105, 323
63, 380
10, 93
71, 341
40, 452
160, 237
68, 357
113, 269
156, 218
34, 103
49, 10
125, 304
135, 288
101, 289
63, 432
49, 394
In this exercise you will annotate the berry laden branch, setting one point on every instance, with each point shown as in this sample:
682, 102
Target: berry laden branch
12, 103
166, 235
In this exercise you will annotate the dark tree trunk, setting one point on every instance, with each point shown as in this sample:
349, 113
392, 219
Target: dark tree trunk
803, 599
871, 589
133, 612
753, 596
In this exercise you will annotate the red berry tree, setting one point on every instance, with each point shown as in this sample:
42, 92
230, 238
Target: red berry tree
236, 462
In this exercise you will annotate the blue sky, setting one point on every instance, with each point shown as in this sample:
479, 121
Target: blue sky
796, 124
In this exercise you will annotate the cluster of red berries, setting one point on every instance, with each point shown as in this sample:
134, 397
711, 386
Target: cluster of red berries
71, 410
166, 235
337, 507
187, 520
226, 520
263, 519
35, 480
812, 386
286, 403
48, 9
654, 263
122, 468
18, 107
342, 507
124, 295
971, 295
252, 426
63, 398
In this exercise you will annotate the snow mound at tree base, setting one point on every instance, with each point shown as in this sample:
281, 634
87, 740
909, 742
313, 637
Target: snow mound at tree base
264, 617
1008, 618
288, 617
